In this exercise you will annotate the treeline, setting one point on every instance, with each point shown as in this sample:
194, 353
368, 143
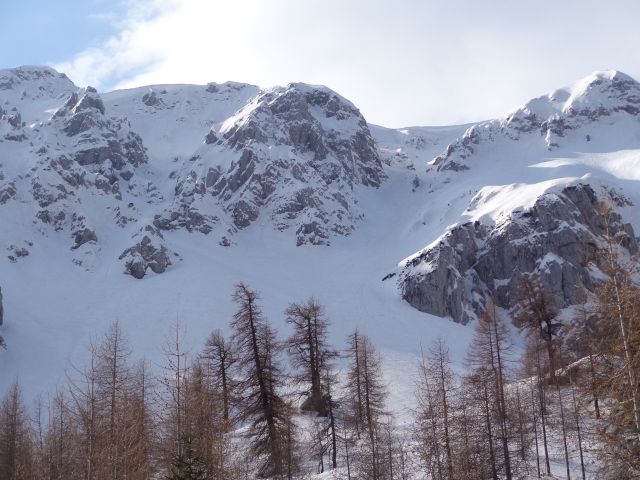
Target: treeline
224, 413
253, 405
573, 393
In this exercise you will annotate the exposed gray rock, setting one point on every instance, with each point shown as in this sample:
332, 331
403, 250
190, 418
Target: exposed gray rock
151, 99
17, 252
90, 100
99, 140
1, 309
211, 137
557, 239
83, 236
15, 120
149, 252
7, 192
323, 148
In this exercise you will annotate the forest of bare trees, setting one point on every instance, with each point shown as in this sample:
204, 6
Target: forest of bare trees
251, 404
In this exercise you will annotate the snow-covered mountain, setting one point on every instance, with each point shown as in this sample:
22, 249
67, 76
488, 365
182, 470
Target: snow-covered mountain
289, 189
535, 182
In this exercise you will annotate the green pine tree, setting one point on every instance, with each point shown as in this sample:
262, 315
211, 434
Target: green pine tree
188, 466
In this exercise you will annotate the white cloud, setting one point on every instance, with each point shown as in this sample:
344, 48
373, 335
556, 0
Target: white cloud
410, 62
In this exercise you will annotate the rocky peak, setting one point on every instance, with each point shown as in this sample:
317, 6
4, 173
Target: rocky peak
96, 138
88, 98
34, 82
311, 120
569, 112
609, 90
294, 153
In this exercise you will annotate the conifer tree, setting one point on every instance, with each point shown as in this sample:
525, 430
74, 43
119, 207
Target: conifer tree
113, 381
16, 440
617, 306
86, 415
261, 377
188, 466
220, 357
487, 356
538, 316
309, 351
172, 396
366, 388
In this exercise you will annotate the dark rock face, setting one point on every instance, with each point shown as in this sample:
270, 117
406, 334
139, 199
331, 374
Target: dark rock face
95, 139
151, 99
149, 252
83, 236
558, 239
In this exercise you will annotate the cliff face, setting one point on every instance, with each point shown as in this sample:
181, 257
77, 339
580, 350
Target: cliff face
290, 157
557, 239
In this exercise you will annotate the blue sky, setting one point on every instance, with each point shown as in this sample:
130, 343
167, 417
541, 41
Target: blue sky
402, 62
51, 31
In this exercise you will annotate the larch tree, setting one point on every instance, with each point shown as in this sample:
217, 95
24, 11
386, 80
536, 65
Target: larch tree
617, 306
310, 352
538, 316
113, 381
85, 407
59, 457
219, 357
172, 394
367, 391
138, 429
442, 376
260, 375
427, 425
487, 356
16, 438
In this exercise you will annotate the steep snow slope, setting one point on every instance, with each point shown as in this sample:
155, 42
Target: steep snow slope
173, 120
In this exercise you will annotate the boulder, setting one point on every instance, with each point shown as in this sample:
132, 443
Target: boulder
150, 252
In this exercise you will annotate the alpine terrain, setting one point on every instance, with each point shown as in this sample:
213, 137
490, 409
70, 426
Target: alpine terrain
148, 205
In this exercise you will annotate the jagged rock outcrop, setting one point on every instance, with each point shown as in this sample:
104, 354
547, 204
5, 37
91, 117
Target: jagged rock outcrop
97, 139
293, 154
149, 252
220, 158
557, 239
66, 156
